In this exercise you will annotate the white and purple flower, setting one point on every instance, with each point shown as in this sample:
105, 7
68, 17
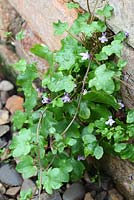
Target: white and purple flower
110, 121
121, 104
80, 158
46, 100
85, 56
66, 98
103, 38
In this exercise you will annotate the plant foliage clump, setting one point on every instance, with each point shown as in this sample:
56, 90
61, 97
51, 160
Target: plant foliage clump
78, 113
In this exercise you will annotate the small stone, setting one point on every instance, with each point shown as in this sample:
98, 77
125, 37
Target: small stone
28, 184
4, 129
43, 196
3, 142
114, 195
6, 85
4, 117
55, 196
2, 197
2, 189
75, 192
13, 191
9, 176
4, 96
0, 104
15, 103
88, 196
101, 195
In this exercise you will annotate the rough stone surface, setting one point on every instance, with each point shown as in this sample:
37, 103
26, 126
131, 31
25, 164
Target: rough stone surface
75, 192
3, 142
128, 86
122, 174
43, 14
9, 175
7, 15
4, 117
2, 188
28, 184
6, 85
3, 97
55, 196
13, 191
4, 129
114, 195
43, 196
88, 196
7, 58
15, 103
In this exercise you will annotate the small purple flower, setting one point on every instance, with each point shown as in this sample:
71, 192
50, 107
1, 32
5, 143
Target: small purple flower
66, 98
121, 104
80, 158
103, 38
46, 100
85, 56
126, 34
110, 122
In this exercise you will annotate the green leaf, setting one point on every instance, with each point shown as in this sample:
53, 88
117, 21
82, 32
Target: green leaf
89, 138
20, 65
26, 195
20, 35
58, 102
71, 5
43, 52
19, 119
53, 179
60, 27
103, 79
26, 167
60, 82
67, 56
120, 36
101, 97
21, 143
114, 48
80, 24
98, 152
119, 147
70, 141
121, 63
101, 56
130, 116
84, 112
106, 11
78, 169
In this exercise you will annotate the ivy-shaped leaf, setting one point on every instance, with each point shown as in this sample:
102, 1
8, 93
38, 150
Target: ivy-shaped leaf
60, 27
103, 80
98, 152
18, 119
43, 52
60, 82
106, 11
21, 143
26, 167
84, 112
130, 116
53, 179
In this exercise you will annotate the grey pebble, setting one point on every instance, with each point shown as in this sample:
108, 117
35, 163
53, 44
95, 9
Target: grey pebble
9, 176
75, 192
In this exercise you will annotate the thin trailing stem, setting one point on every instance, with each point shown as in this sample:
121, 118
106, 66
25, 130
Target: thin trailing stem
79, 100
38, 152
92, 16
88, 7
